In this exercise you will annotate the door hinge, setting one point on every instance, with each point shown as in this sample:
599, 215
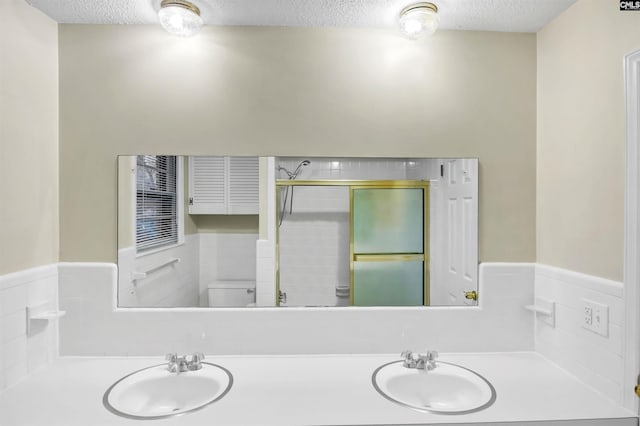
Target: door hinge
637, 388
441, 170
190, 201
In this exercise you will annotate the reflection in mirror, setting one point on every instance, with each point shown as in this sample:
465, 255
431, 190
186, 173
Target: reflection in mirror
214, 231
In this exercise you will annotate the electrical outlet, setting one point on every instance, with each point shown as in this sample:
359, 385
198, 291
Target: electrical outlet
588, 315
596, 317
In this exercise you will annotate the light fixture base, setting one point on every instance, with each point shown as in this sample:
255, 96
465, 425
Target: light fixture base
419, 20
417, 6
180, 17
181, 3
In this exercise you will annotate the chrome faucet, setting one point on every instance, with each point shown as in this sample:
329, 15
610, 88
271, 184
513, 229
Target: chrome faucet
179, 364
425, 361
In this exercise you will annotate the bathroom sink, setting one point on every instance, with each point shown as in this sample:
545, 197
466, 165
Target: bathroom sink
446, 389
155, 392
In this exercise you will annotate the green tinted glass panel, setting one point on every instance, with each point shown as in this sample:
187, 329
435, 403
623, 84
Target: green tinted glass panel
388, 220
388, 283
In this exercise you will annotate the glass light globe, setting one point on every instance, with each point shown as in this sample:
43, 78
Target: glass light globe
180, 20
419, 20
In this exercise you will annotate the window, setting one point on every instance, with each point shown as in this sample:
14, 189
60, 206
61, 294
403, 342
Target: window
156, 202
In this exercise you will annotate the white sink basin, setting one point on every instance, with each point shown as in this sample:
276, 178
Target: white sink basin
447, 389
154, 392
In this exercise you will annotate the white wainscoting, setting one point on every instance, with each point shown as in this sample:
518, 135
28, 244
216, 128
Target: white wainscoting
92, 326
173, 279
21, 354
201, 260
593, 358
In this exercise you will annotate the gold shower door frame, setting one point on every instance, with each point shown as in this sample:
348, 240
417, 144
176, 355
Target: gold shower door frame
364, 184
386, 257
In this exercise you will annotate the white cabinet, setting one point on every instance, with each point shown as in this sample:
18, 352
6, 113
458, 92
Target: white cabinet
223, 185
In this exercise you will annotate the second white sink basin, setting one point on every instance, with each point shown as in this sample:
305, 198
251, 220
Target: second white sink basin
447, 389
155, 392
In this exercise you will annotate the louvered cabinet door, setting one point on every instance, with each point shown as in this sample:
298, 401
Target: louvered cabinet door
223, 185
207, 185
243, 185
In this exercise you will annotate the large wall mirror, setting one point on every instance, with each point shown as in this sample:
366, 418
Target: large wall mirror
226, 231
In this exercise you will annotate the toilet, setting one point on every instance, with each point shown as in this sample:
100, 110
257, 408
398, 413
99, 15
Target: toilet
232, 293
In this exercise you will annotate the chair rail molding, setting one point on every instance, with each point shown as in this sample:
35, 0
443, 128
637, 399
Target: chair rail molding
632, 231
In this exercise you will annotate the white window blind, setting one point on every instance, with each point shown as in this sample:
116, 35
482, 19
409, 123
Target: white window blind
156, 202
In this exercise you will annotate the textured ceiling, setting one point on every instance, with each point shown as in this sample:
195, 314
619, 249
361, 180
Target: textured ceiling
483, 15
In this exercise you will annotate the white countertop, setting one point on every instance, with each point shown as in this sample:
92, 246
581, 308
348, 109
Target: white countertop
306, 390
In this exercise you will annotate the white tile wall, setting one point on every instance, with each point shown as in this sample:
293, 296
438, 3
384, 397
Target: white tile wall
346, 168
204, 259
92, 327
265, 273
226, 257
314, 259
314, 247
362, 168
593, 358
21, 354
424, 169
176, 284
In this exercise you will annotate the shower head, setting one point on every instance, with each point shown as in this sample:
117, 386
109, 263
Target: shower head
297, 170
294, 174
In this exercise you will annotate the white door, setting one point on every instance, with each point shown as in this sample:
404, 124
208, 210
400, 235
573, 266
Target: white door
460, 195
632, 233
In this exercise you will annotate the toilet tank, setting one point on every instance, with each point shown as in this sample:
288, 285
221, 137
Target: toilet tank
232, 293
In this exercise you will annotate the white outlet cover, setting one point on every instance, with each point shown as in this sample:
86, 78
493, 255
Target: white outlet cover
595, 317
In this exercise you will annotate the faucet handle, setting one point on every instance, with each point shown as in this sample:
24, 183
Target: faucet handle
196, 360
173, 362
430, 358
408, 360
432, 355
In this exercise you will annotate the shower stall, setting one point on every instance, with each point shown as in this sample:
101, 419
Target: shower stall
356, 233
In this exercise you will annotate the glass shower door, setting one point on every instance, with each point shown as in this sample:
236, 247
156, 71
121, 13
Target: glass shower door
388, 251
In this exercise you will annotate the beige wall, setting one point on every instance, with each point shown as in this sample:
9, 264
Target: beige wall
126, 201
28, 137
238, 224
581, 131
275, 91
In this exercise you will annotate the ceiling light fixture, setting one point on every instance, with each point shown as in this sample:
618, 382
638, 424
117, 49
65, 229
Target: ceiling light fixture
419, 20
180, 17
